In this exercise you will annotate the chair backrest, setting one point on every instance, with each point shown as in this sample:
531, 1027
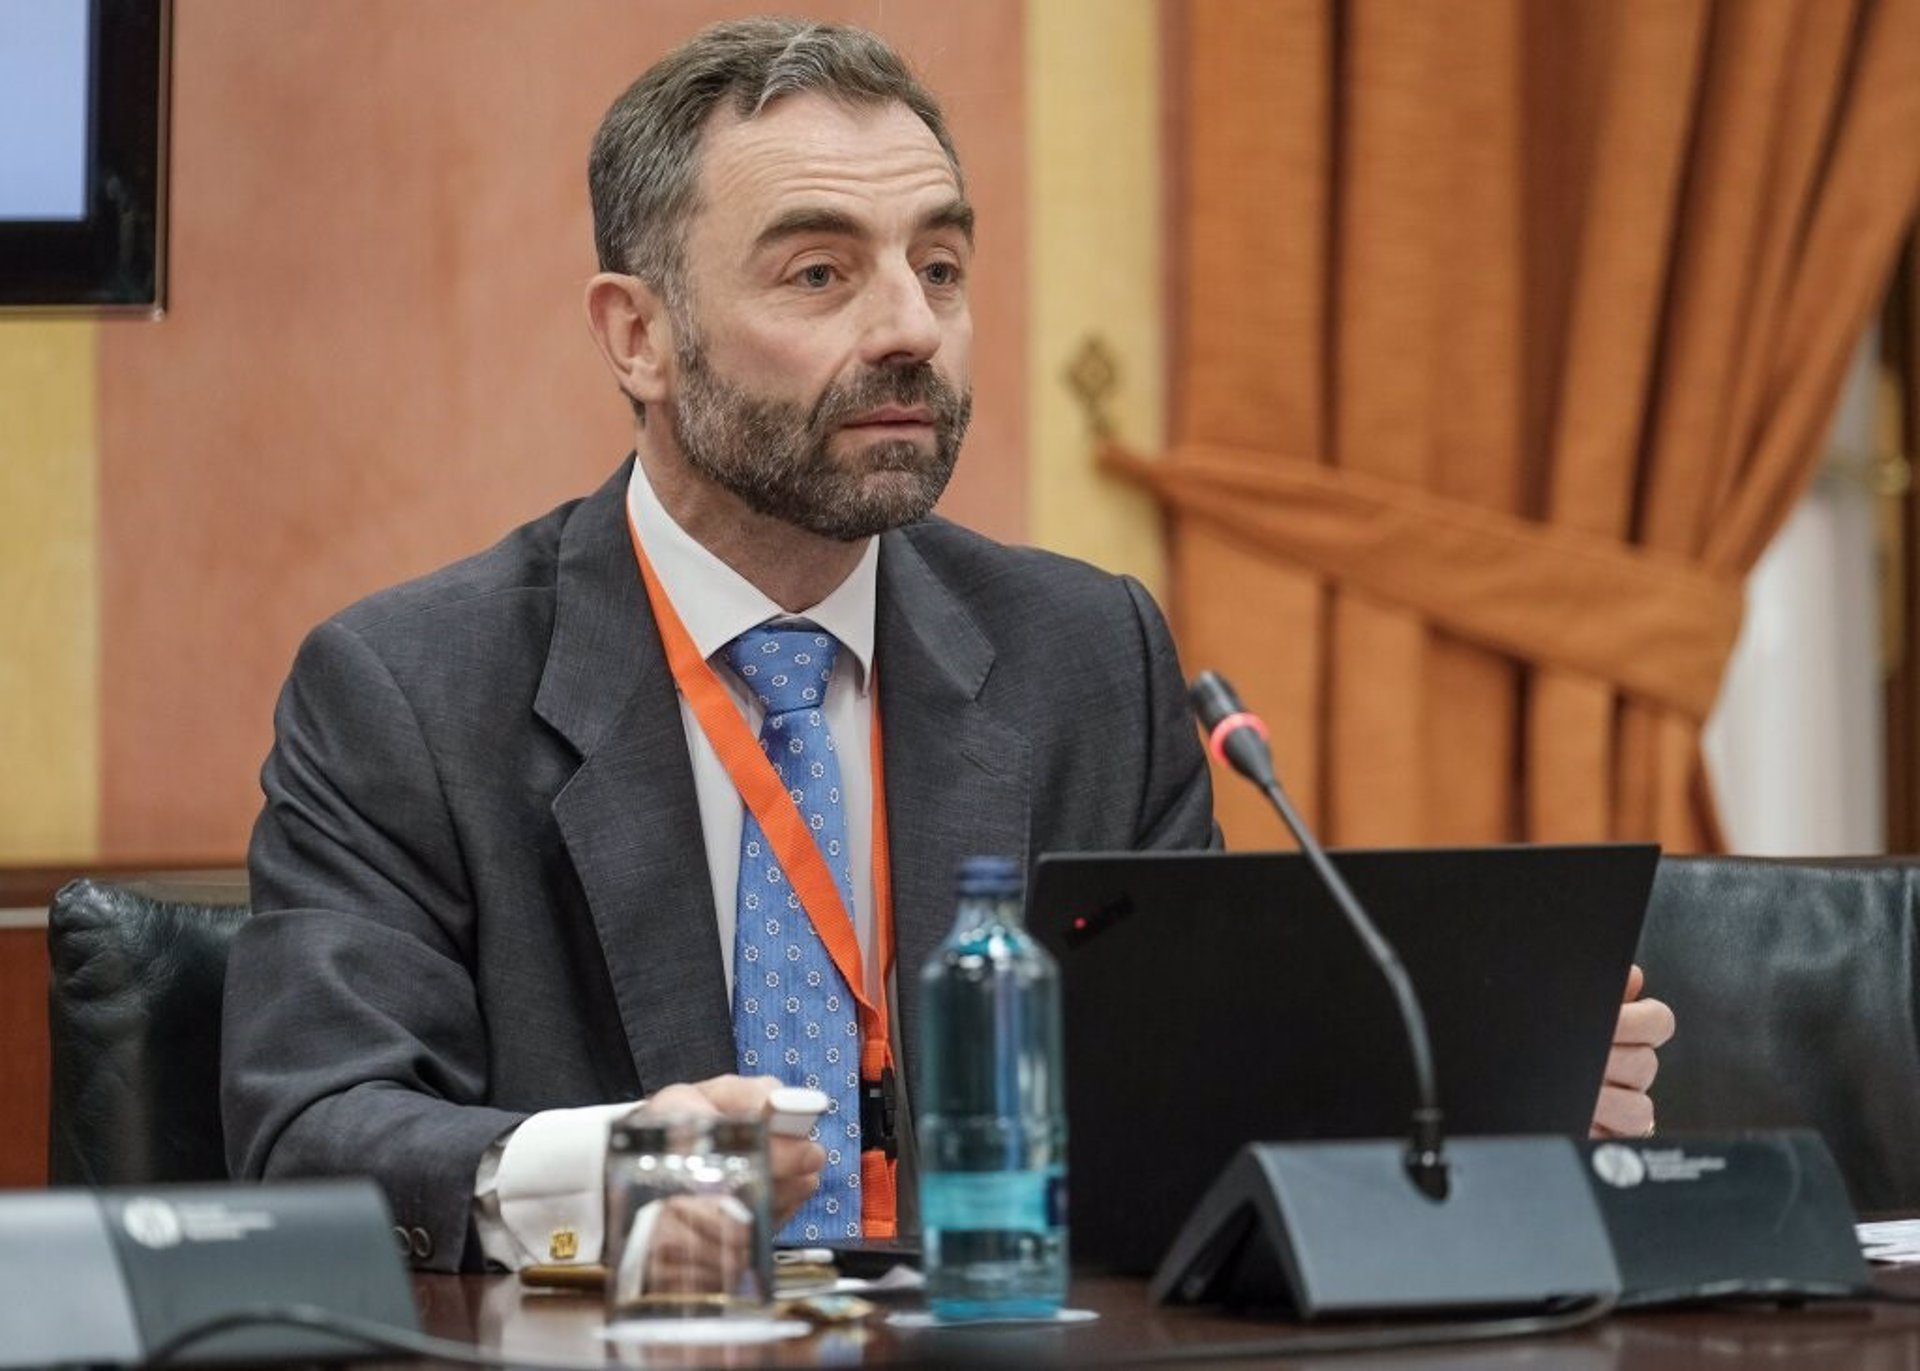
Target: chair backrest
138, 968
1794, 986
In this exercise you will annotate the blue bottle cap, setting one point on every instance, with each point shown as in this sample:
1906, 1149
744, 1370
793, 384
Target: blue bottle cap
990, 877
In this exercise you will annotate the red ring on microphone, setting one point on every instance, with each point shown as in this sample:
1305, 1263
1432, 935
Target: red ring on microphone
1217, 740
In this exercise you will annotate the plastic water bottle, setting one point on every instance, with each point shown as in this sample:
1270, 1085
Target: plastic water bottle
993, 1131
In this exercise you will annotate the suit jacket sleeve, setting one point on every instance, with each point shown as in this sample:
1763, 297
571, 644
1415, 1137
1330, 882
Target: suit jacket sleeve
353, 1040
1176, 805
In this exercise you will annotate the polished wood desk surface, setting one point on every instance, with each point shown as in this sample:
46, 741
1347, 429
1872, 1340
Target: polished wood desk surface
497, 1314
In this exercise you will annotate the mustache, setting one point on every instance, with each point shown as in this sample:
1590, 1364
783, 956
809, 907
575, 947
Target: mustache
918, 384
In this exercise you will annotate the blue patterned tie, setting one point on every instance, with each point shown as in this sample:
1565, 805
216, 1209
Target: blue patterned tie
793, 1016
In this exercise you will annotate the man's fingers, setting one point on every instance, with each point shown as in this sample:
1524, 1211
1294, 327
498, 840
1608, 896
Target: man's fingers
739, 1094
688, 1225
796, 1157
678, 1099
697, 1245
797, 1165
789, 1195
742, 1095
1632, 1067
1636, 982
1622, 1113
702, 1222
1644, 1023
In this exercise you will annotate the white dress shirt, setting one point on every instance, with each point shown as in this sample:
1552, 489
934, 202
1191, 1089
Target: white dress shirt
545, 1176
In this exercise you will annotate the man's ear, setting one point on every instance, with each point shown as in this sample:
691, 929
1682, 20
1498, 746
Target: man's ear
630, 326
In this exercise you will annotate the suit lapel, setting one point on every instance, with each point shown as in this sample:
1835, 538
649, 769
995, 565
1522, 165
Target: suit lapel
956, 776
629, 816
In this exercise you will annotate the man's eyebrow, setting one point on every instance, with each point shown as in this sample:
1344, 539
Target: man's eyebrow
818, 219
808, 219
955, 214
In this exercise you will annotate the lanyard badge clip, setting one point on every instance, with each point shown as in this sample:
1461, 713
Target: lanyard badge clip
879, 1115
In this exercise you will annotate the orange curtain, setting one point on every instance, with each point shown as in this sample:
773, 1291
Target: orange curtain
1507, 338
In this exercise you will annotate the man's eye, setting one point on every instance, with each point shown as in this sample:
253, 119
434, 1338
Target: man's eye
816, 277
943, 273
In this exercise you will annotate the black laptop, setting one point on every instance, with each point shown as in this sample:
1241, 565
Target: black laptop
1215, 999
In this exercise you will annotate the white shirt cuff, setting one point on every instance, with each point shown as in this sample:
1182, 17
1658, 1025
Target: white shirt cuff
539, 1189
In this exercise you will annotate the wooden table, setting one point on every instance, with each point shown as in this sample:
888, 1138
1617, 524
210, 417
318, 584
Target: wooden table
495, 1313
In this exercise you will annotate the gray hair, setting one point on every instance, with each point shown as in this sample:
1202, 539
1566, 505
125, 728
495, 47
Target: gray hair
644, 168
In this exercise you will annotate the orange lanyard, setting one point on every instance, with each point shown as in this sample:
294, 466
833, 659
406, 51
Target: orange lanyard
765, 796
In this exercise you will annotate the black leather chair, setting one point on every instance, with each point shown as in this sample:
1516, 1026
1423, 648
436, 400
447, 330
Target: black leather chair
138, 967
1794, 984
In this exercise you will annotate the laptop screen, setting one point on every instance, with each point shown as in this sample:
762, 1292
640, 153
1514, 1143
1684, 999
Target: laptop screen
1214, 999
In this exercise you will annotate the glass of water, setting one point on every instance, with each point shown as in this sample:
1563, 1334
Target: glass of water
689, 1218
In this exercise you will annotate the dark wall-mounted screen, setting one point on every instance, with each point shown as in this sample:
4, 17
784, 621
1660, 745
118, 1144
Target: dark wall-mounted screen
83, 139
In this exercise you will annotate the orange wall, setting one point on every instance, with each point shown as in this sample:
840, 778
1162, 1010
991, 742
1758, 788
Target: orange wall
374, 359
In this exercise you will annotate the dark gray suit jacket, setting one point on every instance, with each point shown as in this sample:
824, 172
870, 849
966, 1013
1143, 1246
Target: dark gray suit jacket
479, 880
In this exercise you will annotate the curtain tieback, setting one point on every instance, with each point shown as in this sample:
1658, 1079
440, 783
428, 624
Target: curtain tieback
1655, 625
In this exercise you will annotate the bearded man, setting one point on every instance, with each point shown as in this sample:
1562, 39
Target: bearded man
661, 797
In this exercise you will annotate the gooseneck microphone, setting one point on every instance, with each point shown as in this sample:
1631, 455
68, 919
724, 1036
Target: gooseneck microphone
1237, 737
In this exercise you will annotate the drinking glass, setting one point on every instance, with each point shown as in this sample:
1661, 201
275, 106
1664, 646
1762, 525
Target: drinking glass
689, 1230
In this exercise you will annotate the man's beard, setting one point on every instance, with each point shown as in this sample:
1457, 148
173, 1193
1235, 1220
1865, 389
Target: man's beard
775, 455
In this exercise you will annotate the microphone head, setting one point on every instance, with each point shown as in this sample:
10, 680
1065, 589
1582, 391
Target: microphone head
1234, 735
1214, 699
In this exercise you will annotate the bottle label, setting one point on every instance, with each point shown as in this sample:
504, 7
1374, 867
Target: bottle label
1020, 1201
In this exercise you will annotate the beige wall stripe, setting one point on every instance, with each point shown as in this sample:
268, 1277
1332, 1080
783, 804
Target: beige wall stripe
1093, 91
49, 594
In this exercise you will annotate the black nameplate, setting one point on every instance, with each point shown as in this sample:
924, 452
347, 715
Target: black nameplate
1727, 1216
106, 1277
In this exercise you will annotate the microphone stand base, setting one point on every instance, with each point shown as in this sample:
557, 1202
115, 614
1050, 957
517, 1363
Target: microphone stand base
1339, 1229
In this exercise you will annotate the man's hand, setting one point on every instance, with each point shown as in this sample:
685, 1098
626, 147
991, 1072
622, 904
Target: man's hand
1625, 1110
700, 1245
796, 1163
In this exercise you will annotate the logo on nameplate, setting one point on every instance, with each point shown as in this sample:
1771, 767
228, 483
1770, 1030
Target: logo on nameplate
151, 1223
1618, 1166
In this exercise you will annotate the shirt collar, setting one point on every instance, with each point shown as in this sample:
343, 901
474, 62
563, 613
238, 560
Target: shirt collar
717, 604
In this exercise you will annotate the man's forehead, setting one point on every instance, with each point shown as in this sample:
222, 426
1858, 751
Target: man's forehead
811, 145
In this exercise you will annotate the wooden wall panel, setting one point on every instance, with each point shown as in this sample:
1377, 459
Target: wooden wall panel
23, 1056
375, 359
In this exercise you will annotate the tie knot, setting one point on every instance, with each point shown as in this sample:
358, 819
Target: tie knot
788, 668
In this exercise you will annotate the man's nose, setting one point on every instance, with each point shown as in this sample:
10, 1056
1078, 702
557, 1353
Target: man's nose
901, 326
